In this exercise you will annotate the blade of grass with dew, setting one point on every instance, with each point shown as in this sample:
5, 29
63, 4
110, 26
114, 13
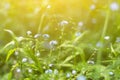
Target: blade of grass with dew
10, 53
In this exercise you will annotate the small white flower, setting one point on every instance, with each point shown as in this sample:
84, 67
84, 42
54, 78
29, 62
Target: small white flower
24, 59
36, 10
46, 36
16, 53
36, 36
80, 24
30, 70
118, 39
74, 72
111, 73
77, 34
64, 22
49, 71
7, 6
53, 42
107, 37
56, 71
29, 32
50, 65
68, 75
92, 7
37, 53
114, 6
81, 77
99, 44
49, 6
18, 70
90, 62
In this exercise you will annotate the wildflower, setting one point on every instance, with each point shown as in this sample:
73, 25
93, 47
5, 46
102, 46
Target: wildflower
92, 7
74, 72
30, 70
18, 70
46, 36
90, 62
16, 53
80, 24
50, 65
7, 6
49, 71
99, 44
111, 73
29, 33
64, 22
77, 34
118, 39
107, 37
36, 10
37, 36
38, 53
56, 71
53, 42
49, 6
81, 77
24, 59
68, 75
114, 6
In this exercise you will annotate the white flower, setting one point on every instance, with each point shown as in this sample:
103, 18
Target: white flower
37, 53
80, 24
64, 22
37, 36
24, 59
111, 73
56, 71
49, 71
90, 62
7, 6
29, 70
36, 10
114, 6
92, 7
77, 34
46, 36
81, 77
49, 6
50, 65
107, 37
53, 42
16, 53
29, 32
74, 72
18, 70
68, 75
118, 39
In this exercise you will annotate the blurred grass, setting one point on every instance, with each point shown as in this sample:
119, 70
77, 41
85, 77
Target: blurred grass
79, 26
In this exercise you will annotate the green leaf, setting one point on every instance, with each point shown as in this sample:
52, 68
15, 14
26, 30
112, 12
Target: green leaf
11, 33
10, 76
10, 53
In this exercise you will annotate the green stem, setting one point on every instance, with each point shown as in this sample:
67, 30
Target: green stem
41, 21
105, 27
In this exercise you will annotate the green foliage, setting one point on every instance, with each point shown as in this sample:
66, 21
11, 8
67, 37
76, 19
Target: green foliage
60, 47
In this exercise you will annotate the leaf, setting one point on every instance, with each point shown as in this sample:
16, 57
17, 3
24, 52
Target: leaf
11, 33
10, 53
10, 76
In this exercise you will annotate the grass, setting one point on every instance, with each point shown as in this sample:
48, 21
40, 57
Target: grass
60, 47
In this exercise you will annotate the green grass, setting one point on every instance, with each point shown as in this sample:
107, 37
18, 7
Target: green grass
60, 45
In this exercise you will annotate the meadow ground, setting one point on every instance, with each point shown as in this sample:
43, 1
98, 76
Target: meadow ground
60, 40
